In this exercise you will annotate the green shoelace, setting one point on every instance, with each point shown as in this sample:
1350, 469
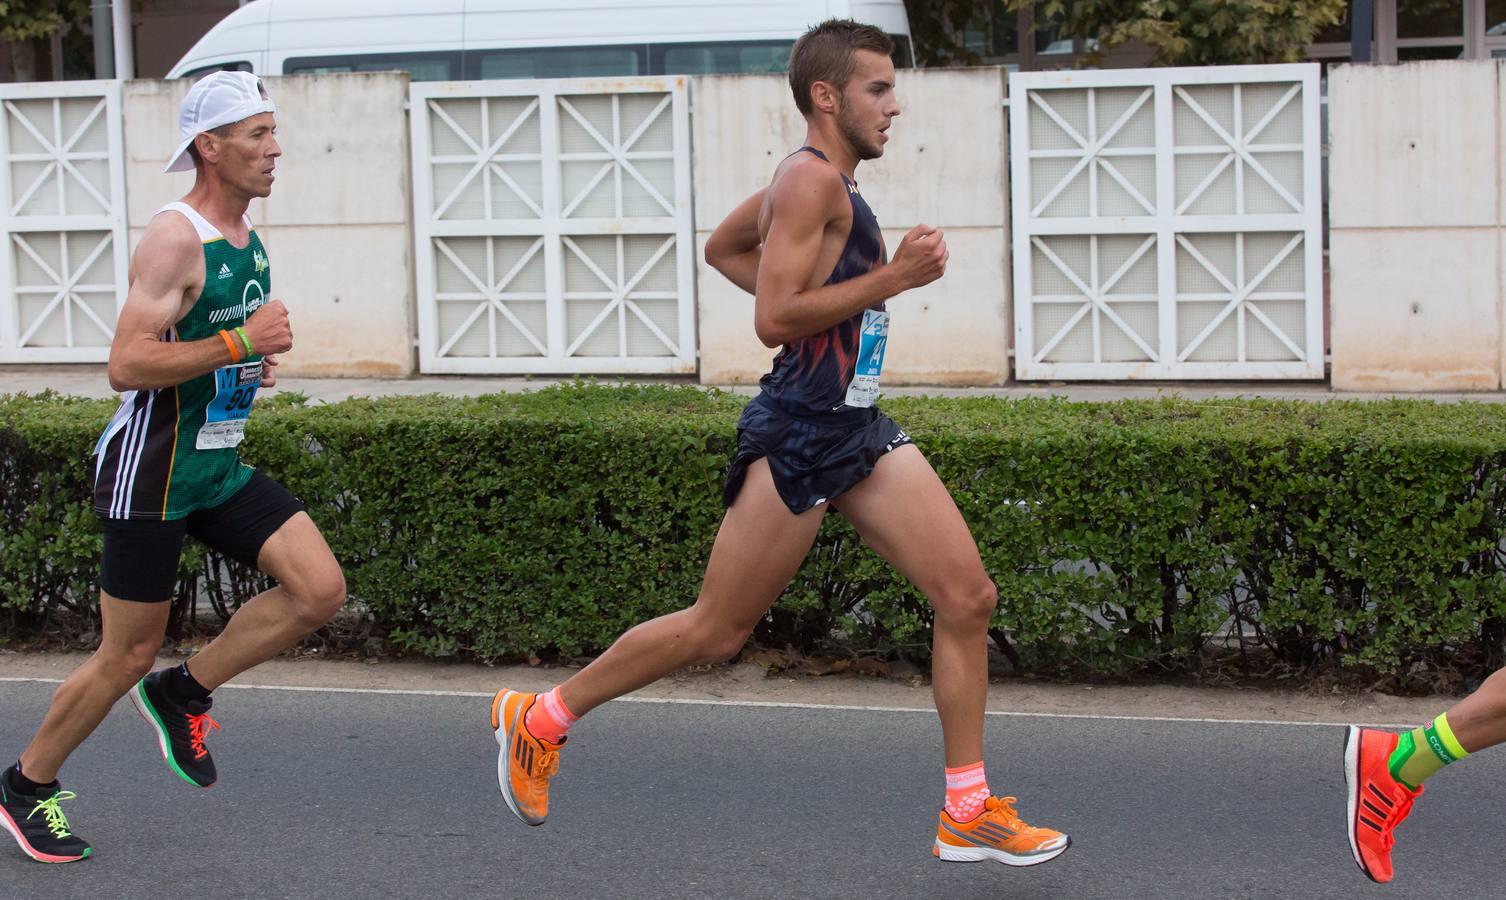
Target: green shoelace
57, 823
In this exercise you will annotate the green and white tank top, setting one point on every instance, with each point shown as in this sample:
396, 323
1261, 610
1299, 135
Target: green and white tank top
170, 451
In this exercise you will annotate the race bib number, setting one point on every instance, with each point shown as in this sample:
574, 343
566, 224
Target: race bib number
870, 362
225, 417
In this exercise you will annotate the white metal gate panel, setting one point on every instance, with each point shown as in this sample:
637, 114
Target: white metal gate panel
64, 257
553, 226
1167, 223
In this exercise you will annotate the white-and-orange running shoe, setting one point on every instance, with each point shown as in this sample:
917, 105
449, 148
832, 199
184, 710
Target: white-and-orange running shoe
997, 834
524, 763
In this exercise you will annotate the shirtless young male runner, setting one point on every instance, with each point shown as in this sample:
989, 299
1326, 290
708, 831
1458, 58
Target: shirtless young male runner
810, 251
196, 338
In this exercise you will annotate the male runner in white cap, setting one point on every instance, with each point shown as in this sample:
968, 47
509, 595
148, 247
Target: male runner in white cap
197, 336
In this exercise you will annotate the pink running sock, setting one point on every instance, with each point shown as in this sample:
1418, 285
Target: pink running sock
966, 790
548, 719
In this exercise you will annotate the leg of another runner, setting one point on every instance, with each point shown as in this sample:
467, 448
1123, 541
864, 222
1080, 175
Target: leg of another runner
1384, 772
758, 550
1479, 720
310, 591
131, 635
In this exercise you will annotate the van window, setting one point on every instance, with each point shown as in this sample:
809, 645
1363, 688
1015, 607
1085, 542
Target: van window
701, 58
902, 56
737, 57
201, 71
557, 62
419, 66
730, 57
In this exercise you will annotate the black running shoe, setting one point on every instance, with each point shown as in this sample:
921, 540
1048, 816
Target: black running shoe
39, 826
181, 729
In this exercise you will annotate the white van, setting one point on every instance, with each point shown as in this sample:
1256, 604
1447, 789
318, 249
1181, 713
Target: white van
449, 40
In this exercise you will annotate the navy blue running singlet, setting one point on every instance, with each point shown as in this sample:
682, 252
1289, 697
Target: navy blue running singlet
811, 374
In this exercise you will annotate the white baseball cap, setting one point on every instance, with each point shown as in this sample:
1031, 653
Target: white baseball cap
218, 98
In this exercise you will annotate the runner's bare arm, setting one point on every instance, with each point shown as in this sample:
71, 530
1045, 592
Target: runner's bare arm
734, 248
169, 266
802, 202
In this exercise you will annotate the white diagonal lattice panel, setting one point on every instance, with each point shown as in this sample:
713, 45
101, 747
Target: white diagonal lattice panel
486, 160
1097, 155
618, 155
1239, 149
64, 288
490, 297
555, 234
1240, 295
1095, 297
62, 209
620, 296
1163, 223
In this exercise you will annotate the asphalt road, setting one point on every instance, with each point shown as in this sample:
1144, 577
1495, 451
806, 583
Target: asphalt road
330, 795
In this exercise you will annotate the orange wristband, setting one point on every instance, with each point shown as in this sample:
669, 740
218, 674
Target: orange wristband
235, 352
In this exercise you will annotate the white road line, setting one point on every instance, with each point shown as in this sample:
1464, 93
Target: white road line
774, 704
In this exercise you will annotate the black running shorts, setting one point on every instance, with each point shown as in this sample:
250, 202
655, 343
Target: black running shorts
813, 461
141, 555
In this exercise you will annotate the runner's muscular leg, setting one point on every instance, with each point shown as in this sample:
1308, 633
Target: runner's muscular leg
904, 512
758, 549
131, 635
310, 590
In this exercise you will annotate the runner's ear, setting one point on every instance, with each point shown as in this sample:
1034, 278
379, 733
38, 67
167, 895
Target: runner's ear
825, 97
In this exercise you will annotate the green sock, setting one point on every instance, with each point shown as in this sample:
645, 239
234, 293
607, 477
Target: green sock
1423, 751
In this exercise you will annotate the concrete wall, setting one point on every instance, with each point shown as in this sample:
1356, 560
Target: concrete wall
1417, 226
944, 165
336, 226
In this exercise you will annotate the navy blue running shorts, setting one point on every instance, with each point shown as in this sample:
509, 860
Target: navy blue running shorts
813, 461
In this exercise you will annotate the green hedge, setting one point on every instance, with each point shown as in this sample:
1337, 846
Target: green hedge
1123, 537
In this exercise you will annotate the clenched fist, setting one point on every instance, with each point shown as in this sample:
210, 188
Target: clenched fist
921, 257
269, 329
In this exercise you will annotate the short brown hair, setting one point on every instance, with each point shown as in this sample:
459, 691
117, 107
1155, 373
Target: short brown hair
825, 53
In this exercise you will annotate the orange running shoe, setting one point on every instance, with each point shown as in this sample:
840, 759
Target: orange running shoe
997, 834
1377, 801
525, 763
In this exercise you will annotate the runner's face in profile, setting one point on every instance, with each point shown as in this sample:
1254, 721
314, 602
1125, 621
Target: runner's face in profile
249, 155
868, 103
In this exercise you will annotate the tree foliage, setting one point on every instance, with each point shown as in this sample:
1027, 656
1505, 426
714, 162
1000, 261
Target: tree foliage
1179, 32
936, 26
24, 20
